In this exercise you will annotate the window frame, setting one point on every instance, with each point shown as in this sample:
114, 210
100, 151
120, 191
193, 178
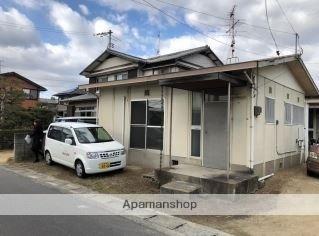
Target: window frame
58, 128
291, 113
302, 115
273, 122
27, 93
196, 127
73, 136
146, 125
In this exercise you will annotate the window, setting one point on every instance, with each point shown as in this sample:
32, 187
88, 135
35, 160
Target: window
31, 94
67, 133
87, 111
288, 113
55, 133
270, 90
196, 124
92, 135
112, 77
147, 119
121, 76
102, 79
270, 110
298, 115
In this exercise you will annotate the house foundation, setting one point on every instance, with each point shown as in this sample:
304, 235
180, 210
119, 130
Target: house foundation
211, 181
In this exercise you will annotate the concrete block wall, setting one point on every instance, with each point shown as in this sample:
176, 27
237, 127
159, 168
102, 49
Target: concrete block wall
22, 150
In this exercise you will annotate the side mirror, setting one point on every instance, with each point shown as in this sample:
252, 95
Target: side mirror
68, 141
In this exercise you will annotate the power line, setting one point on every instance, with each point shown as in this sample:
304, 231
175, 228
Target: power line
222, 18
189, 9
266, 28
188, 26
272, 35
283, 12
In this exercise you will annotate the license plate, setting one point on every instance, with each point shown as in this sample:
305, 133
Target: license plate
104, 165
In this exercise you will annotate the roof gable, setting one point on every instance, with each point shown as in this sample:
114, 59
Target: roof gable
101, 61
14, 74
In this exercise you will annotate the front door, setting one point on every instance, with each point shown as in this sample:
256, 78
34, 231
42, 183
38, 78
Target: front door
215, 135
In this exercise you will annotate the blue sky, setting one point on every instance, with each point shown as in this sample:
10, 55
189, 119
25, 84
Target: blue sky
51, 41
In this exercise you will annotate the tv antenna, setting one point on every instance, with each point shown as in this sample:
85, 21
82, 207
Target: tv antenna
109, 34
232, 33
158, 43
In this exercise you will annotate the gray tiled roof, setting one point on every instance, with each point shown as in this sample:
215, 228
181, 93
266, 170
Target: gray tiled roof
87, 96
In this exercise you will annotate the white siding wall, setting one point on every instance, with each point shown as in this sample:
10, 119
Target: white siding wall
200, 59
111, 62
265, 134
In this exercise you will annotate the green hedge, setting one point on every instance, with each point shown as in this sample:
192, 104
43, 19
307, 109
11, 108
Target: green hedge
7, 137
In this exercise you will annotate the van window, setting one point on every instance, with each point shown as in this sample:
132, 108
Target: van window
67, 133
55, 133
92, 135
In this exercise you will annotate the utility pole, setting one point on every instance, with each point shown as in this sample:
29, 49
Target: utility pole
109, 34
0, 65
232, 32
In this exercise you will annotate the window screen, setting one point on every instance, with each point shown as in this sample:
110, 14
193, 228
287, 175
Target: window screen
137, 139
288, 113
298, 115
270, 110
154, 138
195, 138
196, 108
196, 124
138, 112
154, 113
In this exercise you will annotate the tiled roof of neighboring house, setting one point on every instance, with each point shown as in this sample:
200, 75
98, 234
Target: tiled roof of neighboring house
181, 54
74, 91
14, 74
87, 96
48, 101
172, 56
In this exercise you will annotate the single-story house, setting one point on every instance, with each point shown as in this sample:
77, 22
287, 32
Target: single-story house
188, 107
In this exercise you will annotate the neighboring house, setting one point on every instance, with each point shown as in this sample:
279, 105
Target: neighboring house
49, 104
313, 124
188, 106
13, 80
75, 102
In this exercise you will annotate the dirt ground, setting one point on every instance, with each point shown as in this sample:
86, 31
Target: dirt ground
291, 181
128, 180
5, 155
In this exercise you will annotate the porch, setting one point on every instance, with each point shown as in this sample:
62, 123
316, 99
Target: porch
208, 180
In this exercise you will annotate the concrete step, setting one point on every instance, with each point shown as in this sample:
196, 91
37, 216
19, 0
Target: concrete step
179, 187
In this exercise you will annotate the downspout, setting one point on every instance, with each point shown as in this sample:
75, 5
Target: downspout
252, 128
252, 119
170, 129
97, 107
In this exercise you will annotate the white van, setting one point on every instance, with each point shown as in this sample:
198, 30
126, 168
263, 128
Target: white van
87, 148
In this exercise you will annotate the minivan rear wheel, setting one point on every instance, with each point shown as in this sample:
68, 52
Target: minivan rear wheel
48, 158
79, 169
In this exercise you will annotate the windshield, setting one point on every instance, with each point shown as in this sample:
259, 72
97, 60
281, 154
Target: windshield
92, 135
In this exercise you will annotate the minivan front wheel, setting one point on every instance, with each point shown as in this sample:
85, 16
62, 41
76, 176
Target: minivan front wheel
48, 158
79, 169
